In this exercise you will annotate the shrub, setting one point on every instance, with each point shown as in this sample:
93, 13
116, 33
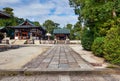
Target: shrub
1, 36
112, 46
97, 46
87, 39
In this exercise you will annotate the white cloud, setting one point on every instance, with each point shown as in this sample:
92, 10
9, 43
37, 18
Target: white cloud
65, 10
62, 20
34, 10
6, 2
62, 7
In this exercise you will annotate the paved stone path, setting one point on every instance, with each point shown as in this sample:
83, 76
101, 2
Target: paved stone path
65, 77
59, 57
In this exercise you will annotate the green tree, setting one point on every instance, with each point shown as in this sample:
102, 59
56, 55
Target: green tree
12, 21
70, 27
87, 39
8, 10
102, 18
98, 15
36, 23
77, 31
50, 26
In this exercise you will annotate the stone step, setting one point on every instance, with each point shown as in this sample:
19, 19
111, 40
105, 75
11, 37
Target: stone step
63, 77
19, 42
38, 72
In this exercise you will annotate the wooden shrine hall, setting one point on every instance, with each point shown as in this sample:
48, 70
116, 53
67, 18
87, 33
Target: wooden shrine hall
61, 34
28, 30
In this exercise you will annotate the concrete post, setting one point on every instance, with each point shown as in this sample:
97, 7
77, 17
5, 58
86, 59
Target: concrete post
30, 36
67, 40
55, 40
5, 35
5, 39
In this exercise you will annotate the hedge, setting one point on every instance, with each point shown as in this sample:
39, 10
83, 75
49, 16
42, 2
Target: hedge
97, 46
87, 39
112, 46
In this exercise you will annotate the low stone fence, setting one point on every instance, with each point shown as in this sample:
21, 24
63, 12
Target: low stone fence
47, 41
60, 42
7, 47
56, 42
75, 41
11, 42
5, 40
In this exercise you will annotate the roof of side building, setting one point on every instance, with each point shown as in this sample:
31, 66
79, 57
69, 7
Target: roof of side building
61, 31
4, 14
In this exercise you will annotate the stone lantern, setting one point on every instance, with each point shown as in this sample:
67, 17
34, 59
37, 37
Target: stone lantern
48, 35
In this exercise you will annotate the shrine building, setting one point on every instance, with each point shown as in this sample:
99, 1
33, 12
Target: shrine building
27, 29
61, 34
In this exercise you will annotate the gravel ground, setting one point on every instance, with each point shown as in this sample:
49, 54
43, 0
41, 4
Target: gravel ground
89, 56
16, 58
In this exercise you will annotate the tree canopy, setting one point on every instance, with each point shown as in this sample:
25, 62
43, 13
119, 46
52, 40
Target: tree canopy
50, 25
36, 23
8, 10
98, 15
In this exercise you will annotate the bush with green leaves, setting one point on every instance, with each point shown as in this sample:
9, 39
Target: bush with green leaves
97, 46
112, 46
87, 39
1, 36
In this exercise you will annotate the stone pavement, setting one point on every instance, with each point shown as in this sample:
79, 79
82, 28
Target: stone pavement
59, 57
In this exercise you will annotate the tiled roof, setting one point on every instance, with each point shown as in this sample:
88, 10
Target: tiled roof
2, 28
61, 31
28, 21
5, 14
27, 26
18, 27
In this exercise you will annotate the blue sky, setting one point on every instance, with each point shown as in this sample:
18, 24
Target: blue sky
40, 10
